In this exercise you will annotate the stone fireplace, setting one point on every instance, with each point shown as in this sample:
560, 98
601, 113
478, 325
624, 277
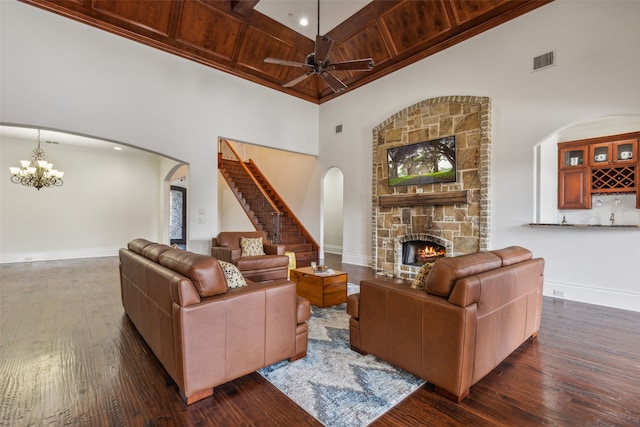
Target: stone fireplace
455, 216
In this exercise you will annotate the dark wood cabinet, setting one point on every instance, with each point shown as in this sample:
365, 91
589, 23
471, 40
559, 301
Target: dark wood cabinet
597, 166
573, 188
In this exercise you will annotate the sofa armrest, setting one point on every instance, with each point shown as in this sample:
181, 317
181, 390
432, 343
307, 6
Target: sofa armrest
225, 254
272, 249
353, 305
465, 292
304, 309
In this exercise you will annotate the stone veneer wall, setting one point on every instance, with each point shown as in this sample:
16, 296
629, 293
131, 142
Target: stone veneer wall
463, 227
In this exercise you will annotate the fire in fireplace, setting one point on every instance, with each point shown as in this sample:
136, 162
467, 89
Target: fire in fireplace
419, 252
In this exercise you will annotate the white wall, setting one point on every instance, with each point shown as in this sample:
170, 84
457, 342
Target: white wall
596, 75
107, 199
60, 74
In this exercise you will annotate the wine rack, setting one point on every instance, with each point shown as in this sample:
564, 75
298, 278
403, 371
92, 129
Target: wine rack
617, 179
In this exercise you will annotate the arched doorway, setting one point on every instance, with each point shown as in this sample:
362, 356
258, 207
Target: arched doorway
178, 185
333, 212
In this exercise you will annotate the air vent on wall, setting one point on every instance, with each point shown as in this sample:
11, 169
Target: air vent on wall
543, 61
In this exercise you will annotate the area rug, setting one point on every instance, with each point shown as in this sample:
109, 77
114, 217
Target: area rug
336, 385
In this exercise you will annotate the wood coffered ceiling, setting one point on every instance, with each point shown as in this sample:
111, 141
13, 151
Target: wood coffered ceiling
231, 36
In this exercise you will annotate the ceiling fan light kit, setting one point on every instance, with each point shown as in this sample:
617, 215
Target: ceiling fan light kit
318, 63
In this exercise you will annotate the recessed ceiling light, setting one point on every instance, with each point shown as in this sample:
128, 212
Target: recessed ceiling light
304, 21
117, 148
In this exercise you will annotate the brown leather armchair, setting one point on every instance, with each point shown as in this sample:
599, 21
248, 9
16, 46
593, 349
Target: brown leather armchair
270, 266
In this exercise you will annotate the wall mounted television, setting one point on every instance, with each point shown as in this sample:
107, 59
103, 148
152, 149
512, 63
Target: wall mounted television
427, 162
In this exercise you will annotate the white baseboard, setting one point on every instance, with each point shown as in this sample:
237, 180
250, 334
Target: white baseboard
356, 260
591, 295
7, 258
333, 249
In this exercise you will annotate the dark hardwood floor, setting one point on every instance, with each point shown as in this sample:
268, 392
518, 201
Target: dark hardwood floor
69, 356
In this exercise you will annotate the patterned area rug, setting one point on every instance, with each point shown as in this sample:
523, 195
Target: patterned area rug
336, 385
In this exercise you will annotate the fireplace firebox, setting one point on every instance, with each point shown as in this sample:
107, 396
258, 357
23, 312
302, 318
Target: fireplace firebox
420, 252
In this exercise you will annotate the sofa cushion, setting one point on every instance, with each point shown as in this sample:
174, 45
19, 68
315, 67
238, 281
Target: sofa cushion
421, 277
136, 245
513, 255
251, 246
232, 274
204, 271
153, 251
231, 239
262, 262
446, 271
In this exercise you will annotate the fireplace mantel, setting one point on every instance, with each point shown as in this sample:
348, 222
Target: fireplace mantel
422, 199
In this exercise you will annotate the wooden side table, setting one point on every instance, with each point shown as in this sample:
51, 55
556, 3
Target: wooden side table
321, 289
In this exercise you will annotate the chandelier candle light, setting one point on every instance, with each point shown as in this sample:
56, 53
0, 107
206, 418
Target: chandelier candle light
37, 172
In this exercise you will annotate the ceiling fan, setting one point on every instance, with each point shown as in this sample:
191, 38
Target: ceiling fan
318, 62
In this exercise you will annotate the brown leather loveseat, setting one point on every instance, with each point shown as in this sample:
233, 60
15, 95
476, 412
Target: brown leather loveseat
475, 311
203, 332
272, 264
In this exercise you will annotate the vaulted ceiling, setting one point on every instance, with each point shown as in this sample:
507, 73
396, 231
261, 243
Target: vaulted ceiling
230, 35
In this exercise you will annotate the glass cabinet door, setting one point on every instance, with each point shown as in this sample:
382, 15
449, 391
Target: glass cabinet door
600, 154
574, 156
625, 151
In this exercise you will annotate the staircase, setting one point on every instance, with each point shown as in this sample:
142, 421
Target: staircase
266, 210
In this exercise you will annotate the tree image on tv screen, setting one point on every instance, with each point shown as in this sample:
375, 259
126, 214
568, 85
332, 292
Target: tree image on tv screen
426, 162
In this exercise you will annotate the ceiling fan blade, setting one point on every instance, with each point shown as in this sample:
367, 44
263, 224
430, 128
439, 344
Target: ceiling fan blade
323, 46
285, 62
297, 80
333, 82
354, 65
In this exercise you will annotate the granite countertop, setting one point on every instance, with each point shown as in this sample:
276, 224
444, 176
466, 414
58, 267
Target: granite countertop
538, 224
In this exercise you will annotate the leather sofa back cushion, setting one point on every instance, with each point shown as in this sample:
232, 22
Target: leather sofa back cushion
446, 271
231, 239
204, 271
154, 250
136, 245
513, 255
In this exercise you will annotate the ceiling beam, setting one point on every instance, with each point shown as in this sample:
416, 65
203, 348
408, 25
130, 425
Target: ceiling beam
241, 7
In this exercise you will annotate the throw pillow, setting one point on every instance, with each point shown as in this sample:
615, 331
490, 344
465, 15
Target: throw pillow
251, 246
421, 278
233, 275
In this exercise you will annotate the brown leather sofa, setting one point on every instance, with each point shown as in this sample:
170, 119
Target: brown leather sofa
273, 265
475, 311
202, 332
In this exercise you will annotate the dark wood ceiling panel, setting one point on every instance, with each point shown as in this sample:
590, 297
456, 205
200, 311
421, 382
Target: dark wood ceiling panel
414, 23
231, 36
207, 28
466, 10
150, 14
367, 43
258, 45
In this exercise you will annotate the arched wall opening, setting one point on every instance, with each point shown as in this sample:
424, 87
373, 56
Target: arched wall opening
112, 193
546, 176
332, 211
